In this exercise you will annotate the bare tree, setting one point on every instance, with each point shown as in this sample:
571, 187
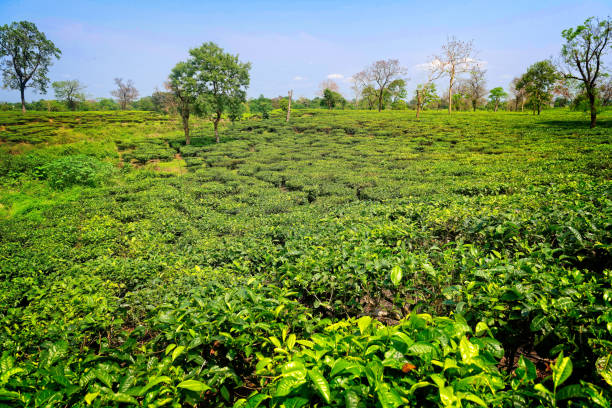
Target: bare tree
289, 105
582, 56
359, 82
457, 57
126, 93
520, 94
383, 73
328, 84
474, 86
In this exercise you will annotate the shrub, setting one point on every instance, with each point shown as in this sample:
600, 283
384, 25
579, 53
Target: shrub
76, 170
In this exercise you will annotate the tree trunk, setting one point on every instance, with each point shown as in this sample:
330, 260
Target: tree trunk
418, 103
380, 96
22, 89
216, 122
289, 106
496, 106
185, 118
593, 109
450, 96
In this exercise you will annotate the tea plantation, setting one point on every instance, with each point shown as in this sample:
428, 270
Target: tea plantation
346, 258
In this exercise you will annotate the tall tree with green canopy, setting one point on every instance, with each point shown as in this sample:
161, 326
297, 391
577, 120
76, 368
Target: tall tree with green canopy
538, 83
182, 84
220, 79
331, 99
496, 95
71, 91
25, 57
582, 55
211, 82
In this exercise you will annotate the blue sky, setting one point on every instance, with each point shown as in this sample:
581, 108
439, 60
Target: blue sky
291, 44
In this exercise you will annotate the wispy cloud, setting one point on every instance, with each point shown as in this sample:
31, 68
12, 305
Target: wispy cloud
335, 76
299, 78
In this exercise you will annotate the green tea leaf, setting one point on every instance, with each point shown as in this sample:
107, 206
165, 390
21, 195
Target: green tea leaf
320, 384
194, 385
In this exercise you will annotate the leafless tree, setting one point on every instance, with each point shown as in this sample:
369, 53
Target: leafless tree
126, 93
474, 86
382, 73
358, 82
457, 57
520, 94
328, 84
289, 105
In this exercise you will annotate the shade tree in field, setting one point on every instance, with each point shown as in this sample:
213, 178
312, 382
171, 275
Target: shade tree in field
582, 56
71, 91
210, 83
497, 95
538, 83
25, 57
358, 82
457, 57
261, 106
474, 86
379, 76
182, 84
126, 92
425, 95
165, 101
331, 99
328, 84
520, 94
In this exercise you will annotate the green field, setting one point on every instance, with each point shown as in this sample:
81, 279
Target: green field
346, 258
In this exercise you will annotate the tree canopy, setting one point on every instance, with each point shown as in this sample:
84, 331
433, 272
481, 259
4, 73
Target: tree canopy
71, 91
538, 83
25, 57
582, 56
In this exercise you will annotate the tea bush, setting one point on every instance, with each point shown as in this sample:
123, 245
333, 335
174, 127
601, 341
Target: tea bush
344, 258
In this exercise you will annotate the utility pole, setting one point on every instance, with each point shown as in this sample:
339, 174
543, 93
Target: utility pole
289, 105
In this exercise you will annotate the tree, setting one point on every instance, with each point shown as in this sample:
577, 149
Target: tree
261, 105
328, 84
212, 80
221, 80
165, 101
519, 94
381, 74
425, 95
497, 95
358, 82
289, 96
538, 83
369, 96
70, 91
605, 92
25, 57
126, 93
331, 99
182, 84
474, 86
582, 56
457, 57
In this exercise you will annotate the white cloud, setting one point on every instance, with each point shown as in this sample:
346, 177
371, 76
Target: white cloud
335, 76
299, 78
